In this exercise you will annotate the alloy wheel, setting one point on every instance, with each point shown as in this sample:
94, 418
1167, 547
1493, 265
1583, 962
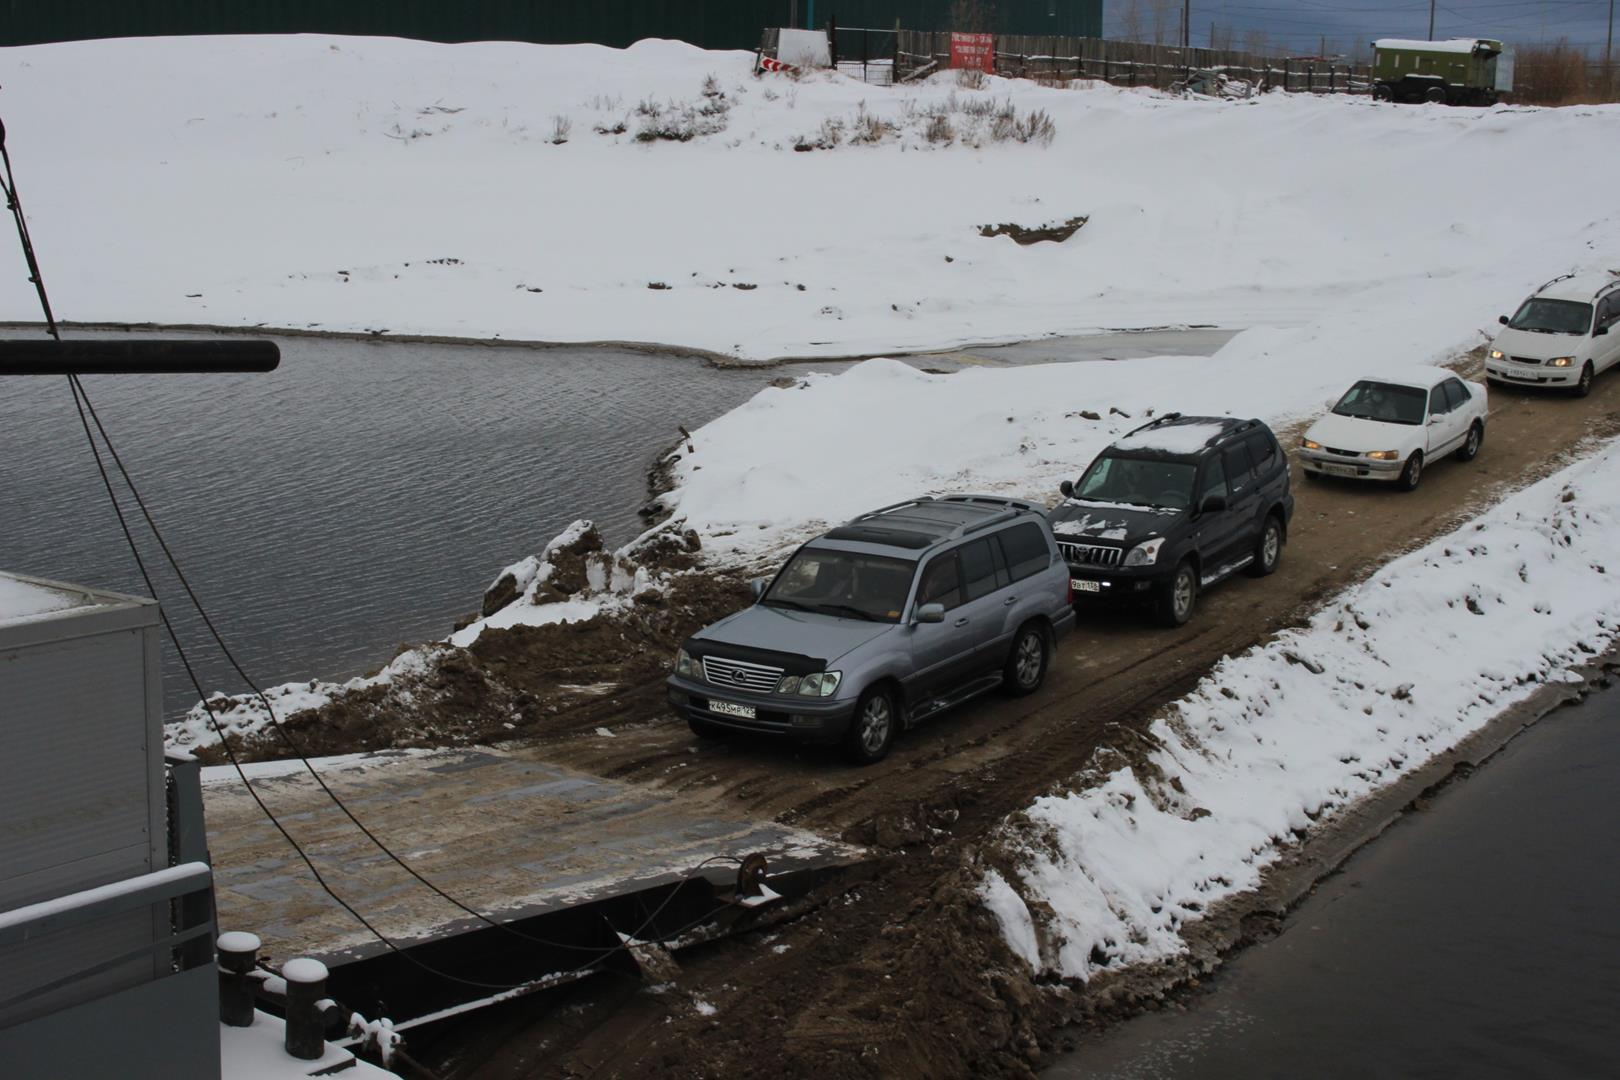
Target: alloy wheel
876, 719
1031, 657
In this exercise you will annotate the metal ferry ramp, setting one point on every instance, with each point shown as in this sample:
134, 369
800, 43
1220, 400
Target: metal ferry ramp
566, 861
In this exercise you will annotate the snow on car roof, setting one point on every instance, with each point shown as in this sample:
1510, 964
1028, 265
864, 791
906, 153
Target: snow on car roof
1579, 287
1453, 45
1174, 437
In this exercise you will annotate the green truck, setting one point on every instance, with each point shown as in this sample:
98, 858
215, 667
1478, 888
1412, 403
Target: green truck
1463, 71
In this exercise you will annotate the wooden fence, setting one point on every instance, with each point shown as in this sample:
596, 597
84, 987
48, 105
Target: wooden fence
1128, 63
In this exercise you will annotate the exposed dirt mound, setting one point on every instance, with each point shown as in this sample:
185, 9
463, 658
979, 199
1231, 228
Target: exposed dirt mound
525, 680
1034, 234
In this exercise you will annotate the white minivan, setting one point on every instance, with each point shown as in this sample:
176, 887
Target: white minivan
1562, 335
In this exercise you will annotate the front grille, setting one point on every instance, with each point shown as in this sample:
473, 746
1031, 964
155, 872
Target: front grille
1090, 554
1342, 453
741, 674
1524, 360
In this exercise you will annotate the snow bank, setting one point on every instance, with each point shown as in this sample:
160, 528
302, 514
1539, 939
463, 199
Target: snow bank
377, 184
1394, 671
799, 458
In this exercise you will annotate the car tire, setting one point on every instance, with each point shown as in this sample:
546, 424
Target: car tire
1584, 385
1412, 475
1179, 597
705, 729
1383, 92
871, 729
1471, 445
1027, 661
1435, 95
1267, 549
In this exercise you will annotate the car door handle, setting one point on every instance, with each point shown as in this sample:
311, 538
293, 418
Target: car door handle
960, 622
1010, 601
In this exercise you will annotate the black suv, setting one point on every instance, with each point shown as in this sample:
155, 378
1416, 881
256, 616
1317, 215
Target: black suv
1172, 508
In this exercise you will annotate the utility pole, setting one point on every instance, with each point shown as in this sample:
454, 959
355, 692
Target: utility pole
1431, 18
1608, 49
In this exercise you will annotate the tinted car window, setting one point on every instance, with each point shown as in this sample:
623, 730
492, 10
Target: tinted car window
1438, 405
822, 579
1369, 400
1214, 481
1263, 449
1456, 392
1236, 460
978, 569
1137, 481
1025, 549
941, 582
1553, 316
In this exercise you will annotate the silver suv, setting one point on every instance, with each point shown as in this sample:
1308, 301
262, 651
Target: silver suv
881, 622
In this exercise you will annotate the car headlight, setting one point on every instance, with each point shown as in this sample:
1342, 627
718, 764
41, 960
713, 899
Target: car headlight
1146, 553
1496, 354
1561, 361
1310, 444
683, 662
789, 684
1384, 455
820, 684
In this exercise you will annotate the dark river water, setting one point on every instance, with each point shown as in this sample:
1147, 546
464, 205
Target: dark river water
360, 496
1477, 938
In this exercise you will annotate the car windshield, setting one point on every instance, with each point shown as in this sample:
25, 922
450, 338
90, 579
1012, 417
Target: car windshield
843, 583
1552, 316
1138, 482
1386, 402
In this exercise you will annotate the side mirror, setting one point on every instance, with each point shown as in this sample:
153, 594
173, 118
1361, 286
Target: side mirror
758, 585
1600, 331
1503, 319
1213, 504
930, 613
1067, 488
1434, 418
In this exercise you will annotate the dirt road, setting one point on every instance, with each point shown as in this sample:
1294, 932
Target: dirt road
902, 973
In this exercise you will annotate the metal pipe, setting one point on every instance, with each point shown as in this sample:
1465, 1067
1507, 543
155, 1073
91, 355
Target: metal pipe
151, 357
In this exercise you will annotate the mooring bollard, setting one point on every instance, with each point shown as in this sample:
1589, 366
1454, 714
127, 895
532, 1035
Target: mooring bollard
238, 952
306, 986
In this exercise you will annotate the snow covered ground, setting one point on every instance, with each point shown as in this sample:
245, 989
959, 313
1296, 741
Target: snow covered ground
1391, 673
377, 184
358, 184
500, 190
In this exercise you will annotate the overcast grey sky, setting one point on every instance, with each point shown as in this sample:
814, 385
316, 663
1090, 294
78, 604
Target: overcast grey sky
1300, 25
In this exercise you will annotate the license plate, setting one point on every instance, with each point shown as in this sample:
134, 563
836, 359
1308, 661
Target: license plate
726, 708
1082, 585
1339, 470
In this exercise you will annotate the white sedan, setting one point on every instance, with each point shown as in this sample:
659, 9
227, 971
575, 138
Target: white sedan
1390, 426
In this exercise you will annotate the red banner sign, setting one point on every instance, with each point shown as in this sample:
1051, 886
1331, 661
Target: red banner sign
974, 51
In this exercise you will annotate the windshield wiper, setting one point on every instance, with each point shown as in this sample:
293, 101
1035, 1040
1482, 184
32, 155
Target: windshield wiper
855, 611
777, 601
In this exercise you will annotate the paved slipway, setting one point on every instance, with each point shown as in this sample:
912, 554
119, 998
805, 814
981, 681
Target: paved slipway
895, 969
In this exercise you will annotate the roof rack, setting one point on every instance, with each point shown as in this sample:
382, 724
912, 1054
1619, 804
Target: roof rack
1166, 418
1554, 281
892, 508
1615, 284
994, 500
